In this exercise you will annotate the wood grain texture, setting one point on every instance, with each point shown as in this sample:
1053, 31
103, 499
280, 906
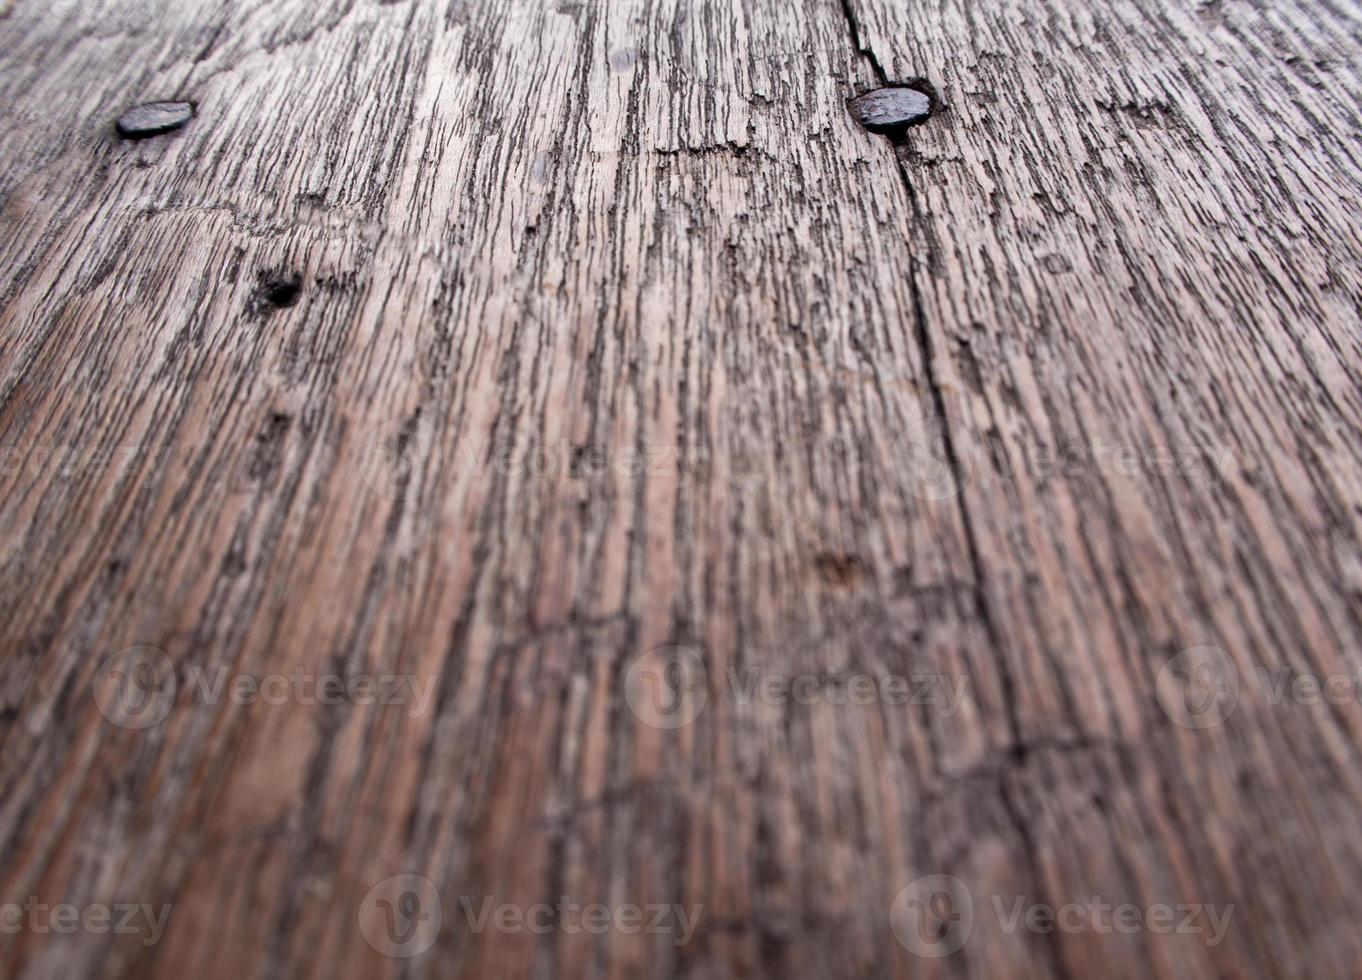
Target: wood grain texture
496, 343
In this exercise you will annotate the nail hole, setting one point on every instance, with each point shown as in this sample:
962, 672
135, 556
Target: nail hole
277, 291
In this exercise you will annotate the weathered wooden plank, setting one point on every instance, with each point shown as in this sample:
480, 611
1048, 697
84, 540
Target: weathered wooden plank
496, 344
689, 253
1140, 308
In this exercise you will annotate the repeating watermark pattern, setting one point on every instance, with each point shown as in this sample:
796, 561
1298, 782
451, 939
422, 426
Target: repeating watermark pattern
668, 687
106, 16
1208, 922
395, 452
1072, 460
68, 8
929, 460
1202, 686
942, 692
1199, 688
64, 919
67, 462
933, 465
136, 688
403, 916
744, 475
930, 470
573, 918
935, 916
585, 462
1279, 685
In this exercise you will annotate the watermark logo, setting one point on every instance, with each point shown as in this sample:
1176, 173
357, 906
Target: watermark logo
929, 471
401, 916
394, 453
746, 478
1202, 687
667, 687
1199, 688
933, 917
135, 687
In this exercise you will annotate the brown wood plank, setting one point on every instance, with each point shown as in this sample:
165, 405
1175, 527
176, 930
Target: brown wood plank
1140, 302
491, 346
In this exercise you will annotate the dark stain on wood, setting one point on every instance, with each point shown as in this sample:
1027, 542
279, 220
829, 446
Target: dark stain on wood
840, 570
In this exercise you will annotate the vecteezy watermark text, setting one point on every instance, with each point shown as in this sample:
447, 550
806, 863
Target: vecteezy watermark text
1202, 686
573, 918
838, 688
137, 688
936, 914
1126, 918
936, 457
68, 462
120, 918
667, 687
404, 915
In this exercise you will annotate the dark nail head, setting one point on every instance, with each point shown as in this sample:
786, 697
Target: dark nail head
887, 110
154, 119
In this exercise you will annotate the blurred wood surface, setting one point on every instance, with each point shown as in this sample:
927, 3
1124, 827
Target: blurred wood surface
496, 344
